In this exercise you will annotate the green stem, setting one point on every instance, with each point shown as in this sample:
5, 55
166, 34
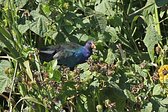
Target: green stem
12, 86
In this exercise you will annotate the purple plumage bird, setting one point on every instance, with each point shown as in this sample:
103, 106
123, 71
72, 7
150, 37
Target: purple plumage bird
68, 54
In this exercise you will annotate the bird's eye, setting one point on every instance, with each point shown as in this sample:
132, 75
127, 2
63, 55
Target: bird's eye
90, 43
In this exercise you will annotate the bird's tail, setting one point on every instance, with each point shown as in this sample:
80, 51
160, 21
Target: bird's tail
45, 56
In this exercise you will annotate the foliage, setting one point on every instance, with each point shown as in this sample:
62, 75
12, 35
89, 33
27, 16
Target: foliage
122, 74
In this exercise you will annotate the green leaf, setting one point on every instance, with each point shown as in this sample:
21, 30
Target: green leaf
157, 89
46, 9
104, 7
85, 76
114, 94
20, 3
95, 83
22, 89
84, 66
80, 105
11, 44
113, 34
102, 21
110, 57
4, 65
4, 80
55, 75
130, 95
164, 101
24, 27
151, 39
30, 99
148, 108
163, 109
160, 3
40, 25
28, 70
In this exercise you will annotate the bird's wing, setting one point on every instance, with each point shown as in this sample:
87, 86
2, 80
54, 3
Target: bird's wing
61, 50
64, 53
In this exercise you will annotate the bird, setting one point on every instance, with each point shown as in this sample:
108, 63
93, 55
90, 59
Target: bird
68, 54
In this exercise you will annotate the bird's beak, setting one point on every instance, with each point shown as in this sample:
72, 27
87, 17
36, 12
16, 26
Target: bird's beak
93, 46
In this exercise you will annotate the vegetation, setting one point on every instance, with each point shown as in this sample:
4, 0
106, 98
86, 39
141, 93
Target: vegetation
127, 71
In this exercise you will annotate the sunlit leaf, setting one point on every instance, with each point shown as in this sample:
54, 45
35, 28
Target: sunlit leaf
20, 3
4, 80
40, 25
151, 39
157, 89
129, 95
24, 27
110, 57
55, 75
28, 70
102, 22
105, 7
147, 108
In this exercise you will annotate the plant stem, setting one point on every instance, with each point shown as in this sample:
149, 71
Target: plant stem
12, 86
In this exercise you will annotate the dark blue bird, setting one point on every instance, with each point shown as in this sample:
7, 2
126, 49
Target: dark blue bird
68, 54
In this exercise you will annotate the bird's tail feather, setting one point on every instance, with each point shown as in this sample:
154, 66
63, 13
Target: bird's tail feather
45, 57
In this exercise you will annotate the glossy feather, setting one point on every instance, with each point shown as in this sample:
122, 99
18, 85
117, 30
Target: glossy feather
68, 54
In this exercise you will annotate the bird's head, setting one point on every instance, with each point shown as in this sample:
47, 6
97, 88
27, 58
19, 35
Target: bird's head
90, 45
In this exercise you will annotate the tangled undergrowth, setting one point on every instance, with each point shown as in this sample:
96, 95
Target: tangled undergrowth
127, 72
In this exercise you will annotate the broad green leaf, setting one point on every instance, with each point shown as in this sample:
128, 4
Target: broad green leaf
40, 25
24, 27
151, 39
4, 65
157, 89
4, 82
163, 109
164, 101
84, 66
110, 57
112, 32
104, 7
147, 108
102, 21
